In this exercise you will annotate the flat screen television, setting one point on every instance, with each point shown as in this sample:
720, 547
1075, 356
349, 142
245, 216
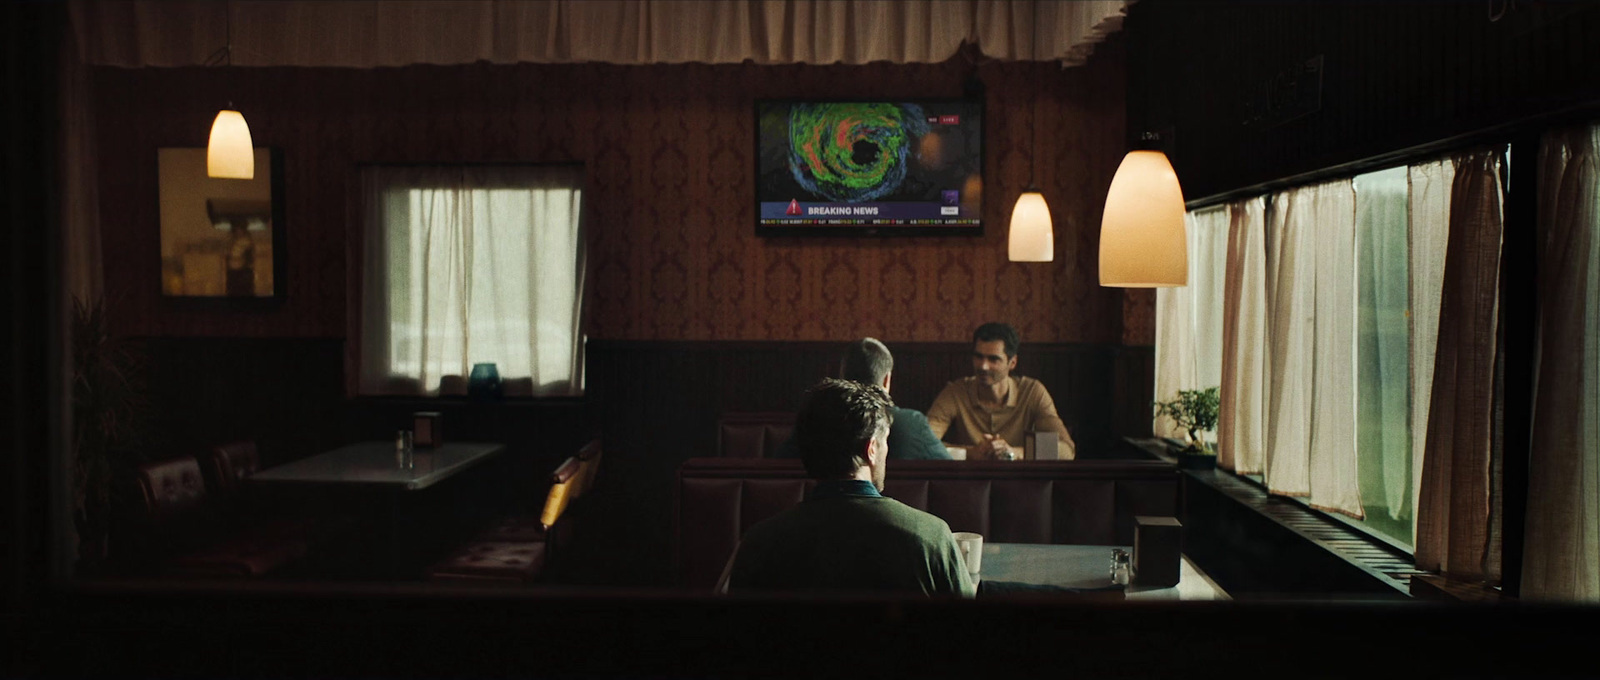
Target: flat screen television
869, 168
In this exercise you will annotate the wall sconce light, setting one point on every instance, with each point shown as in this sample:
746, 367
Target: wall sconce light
229, 152
1143, 243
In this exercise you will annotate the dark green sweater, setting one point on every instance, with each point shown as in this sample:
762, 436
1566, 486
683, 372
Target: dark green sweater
847, 537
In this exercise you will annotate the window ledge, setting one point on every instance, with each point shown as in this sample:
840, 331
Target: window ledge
1379, 560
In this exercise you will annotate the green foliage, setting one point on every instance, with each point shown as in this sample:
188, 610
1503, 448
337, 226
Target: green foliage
1195, 411
108, 408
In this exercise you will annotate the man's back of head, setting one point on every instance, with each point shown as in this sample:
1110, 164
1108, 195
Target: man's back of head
836, 423
996, 330
866, 361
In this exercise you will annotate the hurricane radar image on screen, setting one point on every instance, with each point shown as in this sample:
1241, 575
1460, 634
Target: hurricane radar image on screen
869, 167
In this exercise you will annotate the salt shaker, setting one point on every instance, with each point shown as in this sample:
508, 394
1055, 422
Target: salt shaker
1121, 567
404, 450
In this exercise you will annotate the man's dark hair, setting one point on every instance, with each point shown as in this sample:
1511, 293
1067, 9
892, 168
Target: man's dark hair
995, 330
866, 361
835, 424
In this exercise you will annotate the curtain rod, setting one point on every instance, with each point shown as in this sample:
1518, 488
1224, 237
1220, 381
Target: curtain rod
1498, 133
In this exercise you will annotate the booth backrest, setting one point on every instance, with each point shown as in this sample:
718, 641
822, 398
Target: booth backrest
752, 435
227, 466
1066, 502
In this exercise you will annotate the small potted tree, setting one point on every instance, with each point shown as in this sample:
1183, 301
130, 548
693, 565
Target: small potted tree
108, 412
1196, 412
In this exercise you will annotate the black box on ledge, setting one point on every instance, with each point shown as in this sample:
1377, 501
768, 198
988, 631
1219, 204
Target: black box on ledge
1157, 550
426, 427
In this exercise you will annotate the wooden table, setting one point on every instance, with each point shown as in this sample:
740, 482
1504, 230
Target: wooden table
1085, 566
403, 515
375, 464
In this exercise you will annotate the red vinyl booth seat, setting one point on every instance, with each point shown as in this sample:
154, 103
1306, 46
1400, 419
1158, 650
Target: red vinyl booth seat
1063, 502
753, 434
181, 527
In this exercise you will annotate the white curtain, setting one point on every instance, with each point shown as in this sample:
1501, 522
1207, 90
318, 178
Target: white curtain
368, 33
1429, 196
1241, 420
1561, 553
1175, 356
1311, 343
80, 189
1334, 483
1189, 318
1457, 517
468, 265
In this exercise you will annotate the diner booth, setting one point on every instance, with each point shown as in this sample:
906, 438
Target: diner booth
462, 338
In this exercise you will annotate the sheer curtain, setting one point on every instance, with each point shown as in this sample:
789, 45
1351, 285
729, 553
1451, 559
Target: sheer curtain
467, 265
1429, 185
1242, 417
1561, 558
1189, 318
371, 34
1456, 532
1311, 345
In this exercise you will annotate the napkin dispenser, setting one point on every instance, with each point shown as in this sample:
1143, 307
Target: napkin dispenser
426, 429
1157, 550
1041, 445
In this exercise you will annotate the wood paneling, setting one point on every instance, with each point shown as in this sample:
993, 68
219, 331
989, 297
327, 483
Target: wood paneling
285, 394
669, 155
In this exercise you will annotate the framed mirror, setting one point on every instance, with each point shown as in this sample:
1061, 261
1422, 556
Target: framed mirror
221, 239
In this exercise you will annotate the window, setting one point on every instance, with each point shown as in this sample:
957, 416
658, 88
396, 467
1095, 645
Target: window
469, 265
1340, 282
1383, 353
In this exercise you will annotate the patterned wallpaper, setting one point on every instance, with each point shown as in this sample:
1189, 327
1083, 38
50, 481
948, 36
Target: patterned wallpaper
669, 151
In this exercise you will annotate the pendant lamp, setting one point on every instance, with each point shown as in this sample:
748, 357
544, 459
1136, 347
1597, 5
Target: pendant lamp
1143, 243
1032, 236
229, 152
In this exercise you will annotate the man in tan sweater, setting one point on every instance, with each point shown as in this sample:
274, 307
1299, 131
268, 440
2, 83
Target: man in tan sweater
992, 411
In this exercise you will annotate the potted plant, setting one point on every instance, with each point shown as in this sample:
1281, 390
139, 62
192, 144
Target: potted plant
107, 408
1195, 411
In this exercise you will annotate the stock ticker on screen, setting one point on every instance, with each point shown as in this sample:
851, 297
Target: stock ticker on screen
869, 164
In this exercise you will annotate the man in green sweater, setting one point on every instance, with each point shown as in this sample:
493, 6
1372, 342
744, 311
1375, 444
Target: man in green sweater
846, 536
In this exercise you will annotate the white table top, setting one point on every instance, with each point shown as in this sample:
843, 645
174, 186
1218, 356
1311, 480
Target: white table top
375, 464
1085, 566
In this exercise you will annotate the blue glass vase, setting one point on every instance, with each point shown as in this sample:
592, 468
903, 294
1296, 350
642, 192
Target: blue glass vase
484, 383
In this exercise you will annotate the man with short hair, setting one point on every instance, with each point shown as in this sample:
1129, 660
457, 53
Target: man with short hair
869, 362
846, 536
992, 411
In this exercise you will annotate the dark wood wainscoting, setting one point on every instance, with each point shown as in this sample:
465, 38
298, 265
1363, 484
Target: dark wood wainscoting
285, 393
659, 403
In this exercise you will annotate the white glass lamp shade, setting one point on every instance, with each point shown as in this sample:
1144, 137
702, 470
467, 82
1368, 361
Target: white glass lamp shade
1032, 236
1142, 239
230, 154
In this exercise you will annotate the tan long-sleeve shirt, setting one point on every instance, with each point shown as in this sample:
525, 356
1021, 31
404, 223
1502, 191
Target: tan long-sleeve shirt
960, 416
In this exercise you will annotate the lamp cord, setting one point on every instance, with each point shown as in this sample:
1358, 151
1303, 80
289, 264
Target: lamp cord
224, 55
1033, 112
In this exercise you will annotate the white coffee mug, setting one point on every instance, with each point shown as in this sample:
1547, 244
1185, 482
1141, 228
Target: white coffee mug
971, 546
